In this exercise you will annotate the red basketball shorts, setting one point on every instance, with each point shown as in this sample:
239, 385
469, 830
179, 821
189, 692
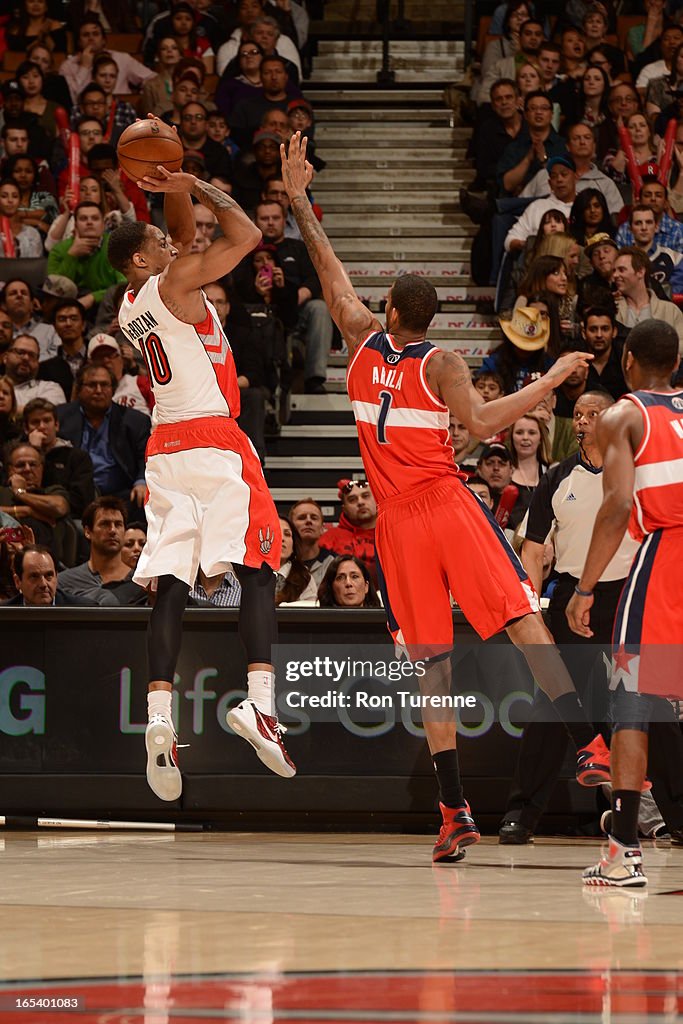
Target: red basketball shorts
439, 542
647, 654
208, 503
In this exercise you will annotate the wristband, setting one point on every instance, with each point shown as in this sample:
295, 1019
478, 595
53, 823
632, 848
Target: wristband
582, 593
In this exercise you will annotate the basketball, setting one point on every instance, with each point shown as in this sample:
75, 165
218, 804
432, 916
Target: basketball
146, 144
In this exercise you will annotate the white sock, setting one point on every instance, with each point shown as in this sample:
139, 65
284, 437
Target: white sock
159, 703
261, 690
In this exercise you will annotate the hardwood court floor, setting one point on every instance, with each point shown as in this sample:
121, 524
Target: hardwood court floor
162, 929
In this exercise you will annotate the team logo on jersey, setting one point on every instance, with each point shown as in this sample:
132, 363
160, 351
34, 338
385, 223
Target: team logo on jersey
393, 357
266, 537
677, 403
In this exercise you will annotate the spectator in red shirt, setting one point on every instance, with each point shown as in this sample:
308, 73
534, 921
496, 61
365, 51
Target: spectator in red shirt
355, 534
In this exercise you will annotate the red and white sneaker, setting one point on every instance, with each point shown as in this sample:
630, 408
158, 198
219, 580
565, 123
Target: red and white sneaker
620, 866
264, 732
163, 774
457, 830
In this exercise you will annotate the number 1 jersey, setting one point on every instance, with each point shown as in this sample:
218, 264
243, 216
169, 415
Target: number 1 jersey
191, 366
402, 424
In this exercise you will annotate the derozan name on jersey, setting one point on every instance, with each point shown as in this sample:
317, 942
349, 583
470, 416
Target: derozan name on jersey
387, 378
141, 325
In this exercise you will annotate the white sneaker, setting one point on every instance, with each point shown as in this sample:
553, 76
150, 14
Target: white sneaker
163, 774
620, 865
264, 732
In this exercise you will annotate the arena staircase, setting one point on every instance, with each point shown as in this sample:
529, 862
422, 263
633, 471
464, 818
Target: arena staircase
389, 194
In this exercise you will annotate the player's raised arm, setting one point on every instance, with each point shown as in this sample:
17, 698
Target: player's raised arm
352, 317
240, 235
618, 434
452, 380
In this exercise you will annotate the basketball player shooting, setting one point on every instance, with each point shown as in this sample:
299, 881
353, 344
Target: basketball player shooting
208, 503
433, 536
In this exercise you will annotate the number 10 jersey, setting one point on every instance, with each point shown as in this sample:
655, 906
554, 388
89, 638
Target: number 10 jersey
402, 425
191, 366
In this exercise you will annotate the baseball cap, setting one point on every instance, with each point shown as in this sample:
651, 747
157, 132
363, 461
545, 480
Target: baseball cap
12, 86
495, 450
102, 341
59, 286
602, 238
528, 328
264, 137
563, 161
300, 102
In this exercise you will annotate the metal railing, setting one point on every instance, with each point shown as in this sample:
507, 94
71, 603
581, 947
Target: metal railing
391, 27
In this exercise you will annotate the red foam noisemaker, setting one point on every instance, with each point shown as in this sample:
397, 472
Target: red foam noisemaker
7, 238
74, 168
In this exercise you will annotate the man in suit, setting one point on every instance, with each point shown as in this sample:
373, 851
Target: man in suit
35, 577
113, 436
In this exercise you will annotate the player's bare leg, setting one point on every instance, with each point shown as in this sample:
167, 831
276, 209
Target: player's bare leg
163, 647
458, 829
255, 719
531, 636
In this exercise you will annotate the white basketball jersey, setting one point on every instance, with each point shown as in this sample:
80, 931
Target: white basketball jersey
190, 366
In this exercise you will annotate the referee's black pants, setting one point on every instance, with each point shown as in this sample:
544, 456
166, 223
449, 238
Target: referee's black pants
544, 742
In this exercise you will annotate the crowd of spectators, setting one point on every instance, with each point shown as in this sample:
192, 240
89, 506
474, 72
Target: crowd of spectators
75, 398
577, 145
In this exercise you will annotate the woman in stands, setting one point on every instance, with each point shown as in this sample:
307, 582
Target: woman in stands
155, 97
528, 79
34, 23
590, 103
32, 80
54, 85
550, 274
10, 425
615, 163
530, 448
590, 216
189, 42
115, 206
347, 584
25, 240
293, 580
37, 209
507, 44
241, 79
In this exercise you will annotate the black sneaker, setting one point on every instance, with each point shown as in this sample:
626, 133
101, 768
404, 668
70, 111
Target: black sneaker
513, 833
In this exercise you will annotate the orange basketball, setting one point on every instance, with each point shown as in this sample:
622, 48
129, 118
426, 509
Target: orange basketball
146, 144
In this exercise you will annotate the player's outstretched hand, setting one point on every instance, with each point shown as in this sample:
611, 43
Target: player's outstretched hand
578, 614
567, 363
297, 173
168, 181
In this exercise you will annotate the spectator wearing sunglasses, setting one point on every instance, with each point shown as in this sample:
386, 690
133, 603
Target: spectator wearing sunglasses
355, 534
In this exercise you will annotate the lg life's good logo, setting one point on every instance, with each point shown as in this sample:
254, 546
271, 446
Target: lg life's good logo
22, 701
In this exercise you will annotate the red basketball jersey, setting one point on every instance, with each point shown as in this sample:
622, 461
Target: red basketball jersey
402, 424
658, 492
